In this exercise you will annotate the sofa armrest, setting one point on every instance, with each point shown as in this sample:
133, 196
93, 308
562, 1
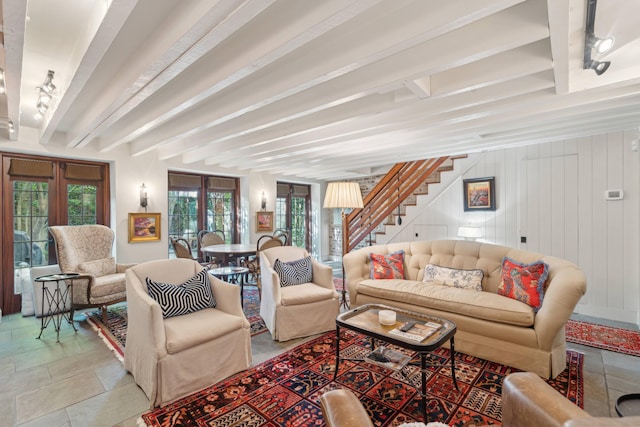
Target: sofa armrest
529, 401
566, 286
322, 274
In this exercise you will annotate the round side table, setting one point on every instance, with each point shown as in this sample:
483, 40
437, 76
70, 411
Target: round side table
232, 275
55, 298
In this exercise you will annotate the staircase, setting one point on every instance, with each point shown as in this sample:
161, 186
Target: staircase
387, 201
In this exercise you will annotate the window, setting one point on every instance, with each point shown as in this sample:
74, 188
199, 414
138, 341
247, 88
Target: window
186, 215
293, 202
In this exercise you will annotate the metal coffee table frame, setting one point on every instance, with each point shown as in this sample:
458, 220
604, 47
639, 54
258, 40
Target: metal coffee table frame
364, 319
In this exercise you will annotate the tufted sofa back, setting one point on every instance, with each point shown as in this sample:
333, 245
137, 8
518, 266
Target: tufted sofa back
460, 254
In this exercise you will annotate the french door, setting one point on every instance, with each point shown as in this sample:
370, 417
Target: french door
293, 207
38, 192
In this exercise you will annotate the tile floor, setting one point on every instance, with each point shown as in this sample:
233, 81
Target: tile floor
78, 382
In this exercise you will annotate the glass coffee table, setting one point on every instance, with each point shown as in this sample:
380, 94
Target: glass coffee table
428, 334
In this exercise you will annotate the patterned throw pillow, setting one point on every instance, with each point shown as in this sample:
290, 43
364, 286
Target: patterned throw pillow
294, 272
389, 266
524, 282
464, 279
175, 300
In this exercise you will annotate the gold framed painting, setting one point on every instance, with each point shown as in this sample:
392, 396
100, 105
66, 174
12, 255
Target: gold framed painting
264, 221
144, 227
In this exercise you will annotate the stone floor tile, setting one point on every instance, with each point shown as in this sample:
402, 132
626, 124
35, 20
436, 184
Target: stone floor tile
595, 386
54, 419
56, 396
113, 375
86, 361
597, 408
26, 380
110, 408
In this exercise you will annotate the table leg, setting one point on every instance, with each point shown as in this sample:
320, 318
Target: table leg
423, 375
335, 371
453, 363
241, 289
42, 314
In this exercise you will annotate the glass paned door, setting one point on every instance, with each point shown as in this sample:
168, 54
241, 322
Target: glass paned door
293, 207
220, 213
30, 234
299, 222
183, 219
81, 204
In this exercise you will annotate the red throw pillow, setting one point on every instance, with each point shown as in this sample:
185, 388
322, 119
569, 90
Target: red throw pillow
524, 282
389, 266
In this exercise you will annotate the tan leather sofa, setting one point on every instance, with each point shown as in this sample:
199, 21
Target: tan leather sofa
529, 401
490, 326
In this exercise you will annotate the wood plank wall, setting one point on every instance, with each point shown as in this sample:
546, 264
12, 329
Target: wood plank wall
554, 195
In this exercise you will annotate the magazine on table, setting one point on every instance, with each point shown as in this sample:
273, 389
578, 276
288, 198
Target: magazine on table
388, 358
418, 331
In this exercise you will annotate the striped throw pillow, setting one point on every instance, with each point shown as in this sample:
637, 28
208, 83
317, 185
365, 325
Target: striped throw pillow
294, 272
175, 300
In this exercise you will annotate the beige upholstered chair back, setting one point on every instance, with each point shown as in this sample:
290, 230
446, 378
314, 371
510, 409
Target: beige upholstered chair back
284, 253
208, 238
76, 244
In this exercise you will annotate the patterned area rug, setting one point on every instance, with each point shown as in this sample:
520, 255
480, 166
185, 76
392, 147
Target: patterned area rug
604, 337
114, 333
284, 391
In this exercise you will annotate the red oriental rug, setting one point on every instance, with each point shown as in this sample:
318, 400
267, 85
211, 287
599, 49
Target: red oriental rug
284, 391
604, 337
114, 333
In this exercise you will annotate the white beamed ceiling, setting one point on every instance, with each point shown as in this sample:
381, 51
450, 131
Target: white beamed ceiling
327, 89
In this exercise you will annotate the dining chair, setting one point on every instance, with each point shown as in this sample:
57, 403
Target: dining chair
208, 238
182, 248
253, 263
284, 235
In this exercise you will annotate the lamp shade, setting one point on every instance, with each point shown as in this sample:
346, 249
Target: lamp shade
343, 195
469, 231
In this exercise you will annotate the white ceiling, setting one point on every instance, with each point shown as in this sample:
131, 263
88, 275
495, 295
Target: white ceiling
327, 89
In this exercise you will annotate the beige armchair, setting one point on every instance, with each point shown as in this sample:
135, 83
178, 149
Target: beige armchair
299, 310
87, 250
175, 356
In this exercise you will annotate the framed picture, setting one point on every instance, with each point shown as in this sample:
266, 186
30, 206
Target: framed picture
264, 221
479, 194
144, 227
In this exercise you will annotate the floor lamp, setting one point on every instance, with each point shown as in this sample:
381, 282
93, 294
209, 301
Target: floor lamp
343, 195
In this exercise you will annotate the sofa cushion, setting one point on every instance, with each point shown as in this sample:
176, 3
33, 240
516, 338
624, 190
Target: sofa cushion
175, 300
305, 293
456, 278
524, 282
295, 272
390, 266
98, 267
481, 305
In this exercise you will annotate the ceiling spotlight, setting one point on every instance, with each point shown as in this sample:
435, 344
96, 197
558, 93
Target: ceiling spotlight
600, 45
48, 87
597, 66
592, 42
6, 122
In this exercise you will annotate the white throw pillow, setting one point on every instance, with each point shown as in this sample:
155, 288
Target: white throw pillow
464, 279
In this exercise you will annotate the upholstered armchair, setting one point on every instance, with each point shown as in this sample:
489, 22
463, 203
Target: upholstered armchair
87, 250
292, 310
171, 355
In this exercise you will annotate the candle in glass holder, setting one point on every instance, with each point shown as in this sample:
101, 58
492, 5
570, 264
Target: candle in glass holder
387, 317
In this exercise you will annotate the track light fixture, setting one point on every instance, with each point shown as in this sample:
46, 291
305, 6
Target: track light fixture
3, 87
7, 123
592, 42
597, 66
45, 94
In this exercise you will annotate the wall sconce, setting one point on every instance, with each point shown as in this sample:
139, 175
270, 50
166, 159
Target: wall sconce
3, 87
144, 197
263, 202
470, 232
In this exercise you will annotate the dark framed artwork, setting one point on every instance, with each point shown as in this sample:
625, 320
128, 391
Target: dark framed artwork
144, 227
479, 194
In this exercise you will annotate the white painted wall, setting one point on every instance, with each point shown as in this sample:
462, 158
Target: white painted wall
554, 194
128, 173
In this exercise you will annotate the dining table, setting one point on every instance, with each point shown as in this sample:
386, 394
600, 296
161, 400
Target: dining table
226, 252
